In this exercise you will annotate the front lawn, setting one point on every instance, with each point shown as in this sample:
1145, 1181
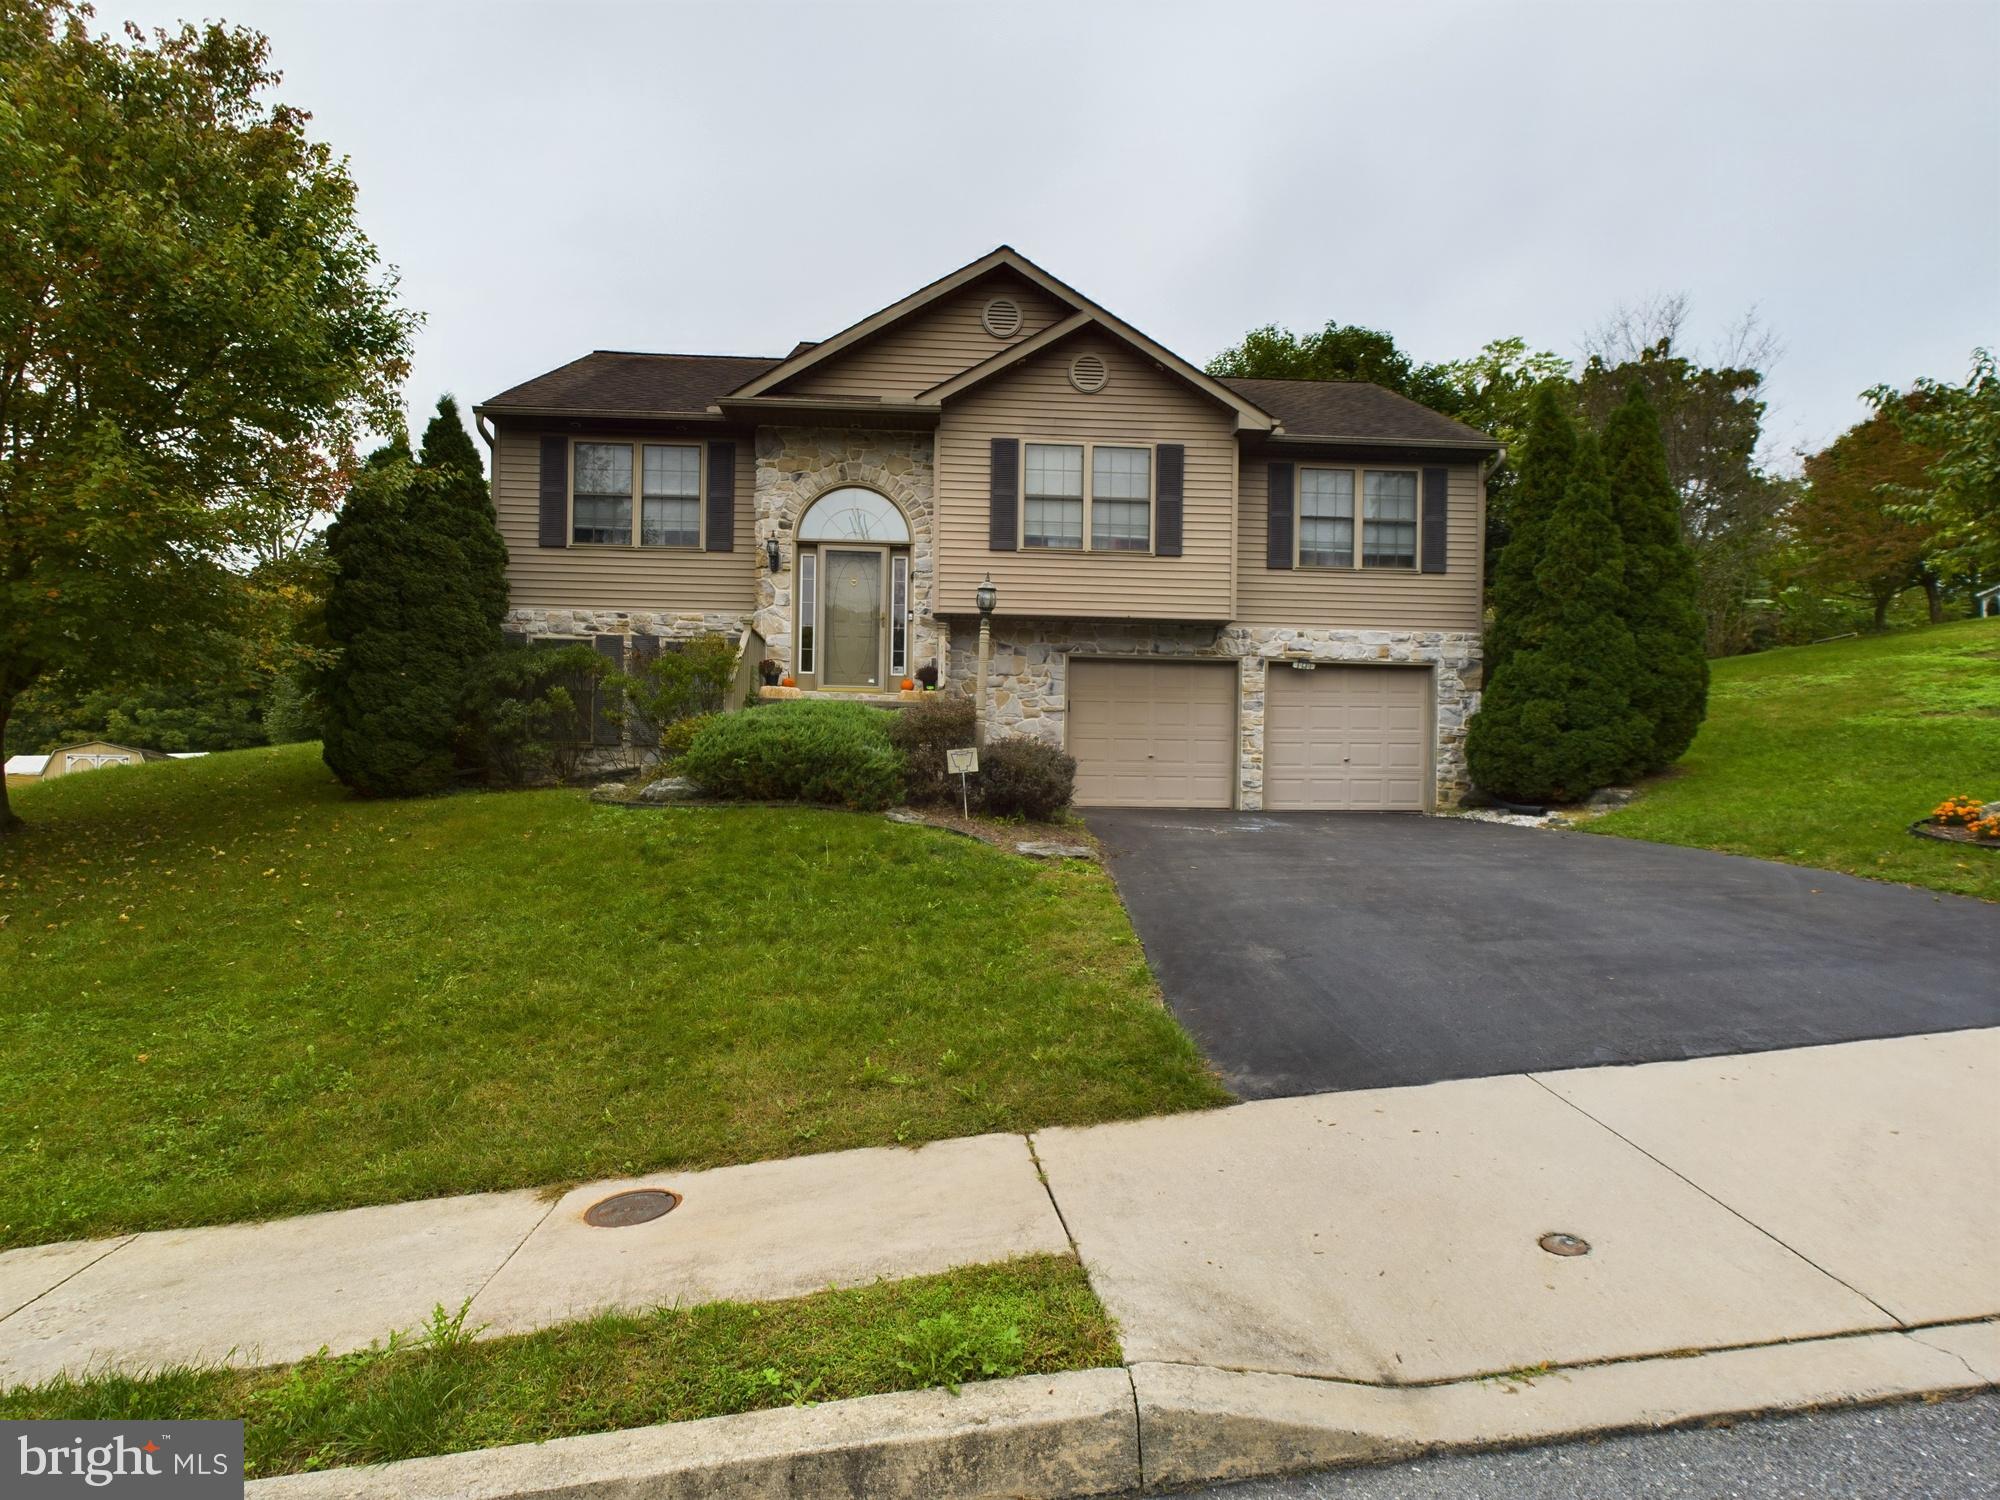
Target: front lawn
234, 992
1824, 755
444, 1393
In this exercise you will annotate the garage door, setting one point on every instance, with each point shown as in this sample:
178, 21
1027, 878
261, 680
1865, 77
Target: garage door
1346, 738
1153, 733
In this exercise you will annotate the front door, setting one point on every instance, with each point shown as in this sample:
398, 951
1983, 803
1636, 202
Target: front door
853, 618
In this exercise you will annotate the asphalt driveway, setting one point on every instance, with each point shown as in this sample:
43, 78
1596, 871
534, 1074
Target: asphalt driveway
1315, 951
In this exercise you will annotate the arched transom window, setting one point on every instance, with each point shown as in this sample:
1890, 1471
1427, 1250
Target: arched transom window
852, 514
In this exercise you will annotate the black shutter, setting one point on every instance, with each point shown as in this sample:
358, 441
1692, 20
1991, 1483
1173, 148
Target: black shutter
1003, 517
721, 497
1437, 518
1278, 538
555, 492
645, 649
604, 730
1167, 506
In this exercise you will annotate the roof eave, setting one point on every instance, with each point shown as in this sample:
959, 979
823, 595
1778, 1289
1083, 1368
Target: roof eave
1475, 442
707, 414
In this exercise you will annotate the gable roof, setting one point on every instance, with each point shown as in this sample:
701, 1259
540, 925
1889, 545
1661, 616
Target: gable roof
620, 382
1005, 257
1249, 415
1348, 410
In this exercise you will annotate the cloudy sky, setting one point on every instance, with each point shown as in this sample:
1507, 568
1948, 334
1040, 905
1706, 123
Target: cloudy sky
552, 178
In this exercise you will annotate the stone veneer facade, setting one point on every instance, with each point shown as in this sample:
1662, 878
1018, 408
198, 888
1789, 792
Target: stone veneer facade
1029, 679
795, 466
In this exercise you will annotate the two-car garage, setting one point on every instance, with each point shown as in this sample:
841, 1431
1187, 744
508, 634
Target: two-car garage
1163, 733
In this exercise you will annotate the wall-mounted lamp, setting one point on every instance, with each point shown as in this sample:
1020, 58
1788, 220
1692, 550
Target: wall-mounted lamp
771, 552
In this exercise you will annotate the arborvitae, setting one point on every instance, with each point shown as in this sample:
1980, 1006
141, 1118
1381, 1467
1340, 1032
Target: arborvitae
1550, 449
448, 449
406, 624
1671, 686
1557, 721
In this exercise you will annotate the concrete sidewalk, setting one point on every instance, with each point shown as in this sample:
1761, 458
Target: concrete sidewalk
1382, 1238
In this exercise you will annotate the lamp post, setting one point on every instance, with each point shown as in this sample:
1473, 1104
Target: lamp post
986, 597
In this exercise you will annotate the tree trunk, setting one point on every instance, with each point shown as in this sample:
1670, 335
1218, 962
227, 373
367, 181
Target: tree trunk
8, 822
1934, 596
1881, 612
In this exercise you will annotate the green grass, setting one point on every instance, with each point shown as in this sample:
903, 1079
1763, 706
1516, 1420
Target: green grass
443, 1393
234, 992
1824, 756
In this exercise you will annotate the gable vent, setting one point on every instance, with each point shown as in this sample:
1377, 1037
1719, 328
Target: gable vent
1087, 373
1002, 317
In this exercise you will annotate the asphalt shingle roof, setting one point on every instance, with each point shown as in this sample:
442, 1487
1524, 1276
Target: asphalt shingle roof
615, 380
1354, 409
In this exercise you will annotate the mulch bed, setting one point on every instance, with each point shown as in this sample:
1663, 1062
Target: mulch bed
1951, 833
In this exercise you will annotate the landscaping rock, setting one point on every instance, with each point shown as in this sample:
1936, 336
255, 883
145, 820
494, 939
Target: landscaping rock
669, 789
1050, 849
904, 815
609, 791
1606, 798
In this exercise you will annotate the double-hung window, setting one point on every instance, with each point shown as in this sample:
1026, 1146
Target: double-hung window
664, 482
670, 496
1114, 511
1331, 535
1326, 518
1055, 496
1388, 518
1121, 499
602, 507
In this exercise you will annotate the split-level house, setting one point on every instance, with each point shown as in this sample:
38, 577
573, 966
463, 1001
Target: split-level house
1212, 592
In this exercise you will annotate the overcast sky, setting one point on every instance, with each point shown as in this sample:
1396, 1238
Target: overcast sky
552, 178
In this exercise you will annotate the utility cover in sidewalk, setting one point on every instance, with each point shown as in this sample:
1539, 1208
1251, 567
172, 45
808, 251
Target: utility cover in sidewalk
1564, 1244
640, 1206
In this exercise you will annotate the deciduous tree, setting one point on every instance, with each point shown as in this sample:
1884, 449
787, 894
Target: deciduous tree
1855, 520
183, 286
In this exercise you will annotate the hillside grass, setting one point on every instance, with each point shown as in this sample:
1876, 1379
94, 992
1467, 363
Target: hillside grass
232, 991
1824, 755
439, 1391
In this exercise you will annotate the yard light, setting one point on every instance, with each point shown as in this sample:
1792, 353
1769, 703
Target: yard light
986, 596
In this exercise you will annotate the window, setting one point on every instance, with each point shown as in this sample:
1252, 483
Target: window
1055, 496
1389, 519
1326, 518
899, 616
808, 600
670, 497
603, 489
1121, 499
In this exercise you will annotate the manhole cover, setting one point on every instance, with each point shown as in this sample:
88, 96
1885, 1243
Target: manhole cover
1564, 1244
640, 1206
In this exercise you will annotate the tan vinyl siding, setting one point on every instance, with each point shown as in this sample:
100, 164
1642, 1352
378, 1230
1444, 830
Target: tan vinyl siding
929, 346
1362, 598
637, 578
1035, 402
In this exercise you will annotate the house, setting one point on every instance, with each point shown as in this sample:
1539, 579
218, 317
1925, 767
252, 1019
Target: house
1213, 593
89, 756
1986, 602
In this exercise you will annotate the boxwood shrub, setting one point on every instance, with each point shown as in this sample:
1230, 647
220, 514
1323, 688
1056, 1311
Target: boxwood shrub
923, 731
801, 751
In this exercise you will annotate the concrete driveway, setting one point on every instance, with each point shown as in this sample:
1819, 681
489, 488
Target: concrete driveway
1317, 951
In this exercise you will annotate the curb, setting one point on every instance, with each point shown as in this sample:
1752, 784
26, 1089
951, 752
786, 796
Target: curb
1044, 1437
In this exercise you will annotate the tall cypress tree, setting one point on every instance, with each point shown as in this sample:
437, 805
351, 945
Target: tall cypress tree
416, 600
1550, 449
1661, 585
1557, 720
448, 449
